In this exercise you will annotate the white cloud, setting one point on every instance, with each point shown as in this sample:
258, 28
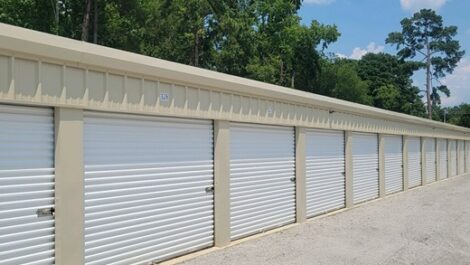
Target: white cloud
459, 84
318, 2
415, 5
357, 52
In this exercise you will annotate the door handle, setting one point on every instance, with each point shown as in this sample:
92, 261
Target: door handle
44, 212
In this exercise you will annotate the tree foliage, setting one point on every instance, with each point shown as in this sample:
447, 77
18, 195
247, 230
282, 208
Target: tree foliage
425, 37
457, 115
390, 83
340, 79
259, 39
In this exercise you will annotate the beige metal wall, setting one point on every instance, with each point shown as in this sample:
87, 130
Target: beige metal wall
41, 69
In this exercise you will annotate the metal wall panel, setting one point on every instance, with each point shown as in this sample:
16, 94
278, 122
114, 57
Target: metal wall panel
86, 76
262, 178
145, 188
365, 156
442, 158
453, 157
26, 185
461, 158
393, 153
325, 172
430, 149
414, 162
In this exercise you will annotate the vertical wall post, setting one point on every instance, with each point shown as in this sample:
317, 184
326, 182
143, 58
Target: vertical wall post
423, 161
457, 155
457, 143
300, 181
405, 163
69, 187
449, 158
466, 156
221, 183
438, 162
348, 169
382, 192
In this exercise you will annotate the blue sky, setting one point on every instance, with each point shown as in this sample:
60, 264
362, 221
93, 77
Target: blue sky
364, 25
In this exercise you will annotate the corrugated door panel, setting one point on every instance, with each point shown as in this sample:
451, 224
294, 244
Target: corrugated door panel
365, 157
414, 162
393, 152
442, 158
461, 158
325, 177
145, 188
26, 185
430, 147
262, 184
453, 157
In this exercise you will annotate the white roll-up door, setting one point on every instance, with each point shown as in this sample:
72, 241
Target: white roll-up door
430, 149
325, 178
442, 158
453, 158
26, 185
461, 158
365, 156
414, 162
148, 185
393, 153
262, 178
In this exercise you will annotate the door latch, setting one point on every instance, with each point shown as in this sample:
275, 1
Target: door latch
210, 189
43, 212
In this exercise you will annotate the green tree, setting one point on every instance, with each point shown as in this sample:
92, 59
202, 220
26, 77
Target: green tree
339, 78
32, 14
234, 36
457, 115
122, 24
286, 51
425, 36
390, 83
61, 17
258, 39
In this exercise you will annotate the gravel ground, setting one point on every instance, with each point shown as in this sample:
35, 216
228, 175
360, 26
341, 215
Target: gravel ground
429, 225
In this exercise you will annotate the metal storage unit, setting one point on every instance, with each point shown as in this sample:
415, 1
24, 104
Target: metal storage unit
365, 156
461, 158
148, 187
414, 162
325, 172
442, 158
26, 185
430, 155
393, 153
453, 157
262, 178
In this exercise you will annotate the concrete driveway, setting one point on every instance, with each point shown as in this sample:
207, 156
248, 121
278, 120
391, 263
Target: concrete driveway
424, 226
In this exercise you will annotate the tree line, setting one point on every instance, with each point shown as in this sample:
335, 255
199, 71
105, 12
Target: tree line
263, 40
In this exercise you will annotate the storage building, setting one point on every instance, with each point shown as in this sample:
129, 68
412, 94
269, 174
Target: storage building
109, 157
